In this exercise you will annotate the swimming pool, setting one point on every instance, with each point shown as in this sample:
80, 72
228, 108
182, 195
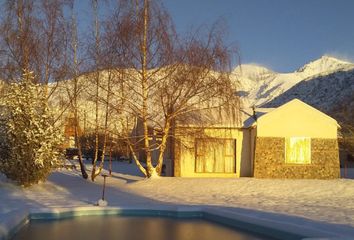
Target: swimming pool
130, 227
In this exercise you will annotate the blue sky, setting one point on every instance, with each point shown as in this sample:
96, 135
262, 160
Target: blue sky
280, 34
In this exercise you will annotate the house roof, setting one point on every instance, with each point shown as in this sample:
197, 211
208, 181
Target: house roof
223, 117
217, 118
296, 101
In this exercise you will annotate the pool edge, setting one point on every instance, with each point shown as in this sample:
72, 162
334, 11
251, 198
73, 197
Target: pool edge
255, 224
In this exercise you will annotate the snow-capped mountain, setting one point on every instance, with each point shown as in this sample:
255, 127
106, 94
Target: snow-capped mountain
320, 83
322, 91
324, 65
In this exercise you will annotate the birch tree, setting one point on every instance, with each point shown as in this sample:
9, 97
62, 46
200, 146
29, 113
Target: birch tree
167, 77
100, 64
33, 37
75, 93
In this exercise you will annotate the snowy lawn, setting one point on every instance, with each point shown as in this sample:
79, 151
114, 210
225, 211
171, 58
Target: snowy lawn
328, 201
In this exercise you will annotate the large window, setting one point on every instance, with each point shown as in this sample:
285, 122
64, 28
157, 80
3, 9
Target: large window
215, 155
298, 150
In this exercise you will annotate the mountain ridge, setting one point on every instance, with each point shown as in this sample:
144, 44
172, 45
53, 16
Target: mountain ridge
324, 64
260, 85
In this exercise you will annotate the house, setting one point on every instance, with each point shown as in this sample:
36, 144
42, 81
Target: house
294, 140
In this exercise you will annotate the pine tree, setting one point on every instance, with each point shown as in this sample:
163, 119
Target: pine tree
30, 142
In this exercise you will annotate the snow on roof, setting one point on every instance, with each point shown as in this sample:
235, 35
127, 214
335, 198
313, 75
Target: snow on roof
222, 118
225, 117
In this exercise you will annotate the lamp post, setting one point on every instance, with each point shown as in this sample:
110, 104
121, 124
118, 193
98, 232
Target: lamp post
102, 202
104, 185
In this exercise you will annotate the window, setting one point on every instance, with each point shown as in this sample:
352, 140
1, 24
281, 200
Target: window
298, 150
215, 156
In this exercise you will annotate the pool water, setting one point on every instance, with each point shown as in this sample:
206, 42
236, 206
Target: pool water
132, 228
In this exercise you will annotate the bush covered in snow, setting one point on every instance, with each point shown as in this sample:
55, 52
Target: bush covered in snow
29, 140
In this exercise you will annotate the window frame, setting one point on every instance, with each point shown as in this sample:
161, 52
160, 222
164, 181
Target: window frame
298, 163
206, 140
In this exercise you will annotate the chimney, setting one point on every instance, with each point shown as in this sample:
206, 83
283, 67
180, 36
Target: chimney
254, 115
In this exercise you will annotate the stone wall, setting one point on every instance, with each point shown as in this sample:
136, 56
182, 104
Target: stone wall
269, 160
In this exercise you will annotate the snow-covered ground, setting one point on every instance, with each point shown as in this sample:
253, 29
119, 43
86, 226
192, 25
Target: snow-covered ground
323, 201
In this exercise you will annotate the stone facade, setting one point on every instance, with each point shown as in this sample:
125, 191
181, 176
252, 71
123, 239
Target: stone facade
269, 160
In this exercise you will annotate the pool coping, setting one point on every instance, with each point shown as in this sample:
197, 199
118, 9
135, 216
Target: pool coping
257, 223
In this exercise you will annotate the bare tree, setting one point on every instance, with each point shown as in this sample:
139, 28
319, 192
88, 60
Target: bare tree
74, 96
34, 37
343, 111
18, 38
98, 58
348, 138
346, 142
167, 78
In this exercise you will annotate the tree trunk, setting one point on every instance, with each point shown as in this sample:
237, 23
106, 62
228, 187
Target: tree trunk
165, 134
141, 168
97, 76
150, 169
78, 145
96, 173
76, 118
93, 173
110, 157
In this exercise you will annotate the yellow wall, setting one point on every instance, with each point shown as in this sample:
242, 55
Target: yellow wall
296, 118
243, 152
